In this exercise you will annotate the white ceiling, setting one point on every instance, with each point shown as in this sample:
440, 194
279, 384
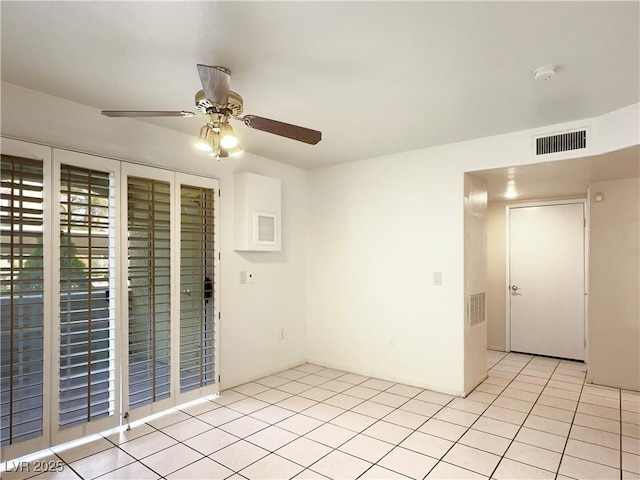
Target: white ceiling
374, 77
566, 178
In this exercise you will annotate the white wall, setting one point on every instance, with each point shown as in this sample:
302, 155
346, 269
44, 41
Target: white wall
252, 315
475, 280
373, 248
496, 276
380, 227
614, 284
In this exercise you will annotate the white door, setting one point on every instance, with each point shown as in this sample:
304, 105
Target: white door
546, 280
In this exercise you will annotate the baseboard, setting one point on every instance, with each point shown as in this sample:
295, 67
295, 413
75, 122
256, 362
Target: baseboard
253, 378
496, 349
389, 378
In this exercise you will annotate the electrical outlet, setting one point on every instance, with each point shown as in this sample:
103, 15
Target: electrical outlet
282, 334
249, 277
437, 278
392, 342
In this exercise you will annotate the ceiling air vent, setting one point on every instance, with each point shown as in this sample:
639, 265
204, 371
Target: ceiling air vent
561, 142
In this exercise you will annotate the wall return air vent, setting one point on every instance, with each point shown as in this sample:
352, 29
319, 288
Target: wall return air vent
561, 142
477, 309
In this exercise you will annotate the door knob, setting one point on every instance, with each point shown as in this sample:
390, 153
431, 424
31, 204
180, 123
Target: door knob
514, 288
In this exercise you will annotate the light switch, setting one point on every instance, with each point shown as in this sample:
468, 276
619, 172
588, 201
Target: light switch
437, 278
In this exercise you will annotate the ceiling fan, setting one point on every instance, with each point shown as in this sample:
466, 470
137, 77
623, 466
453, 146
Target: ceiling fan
218, 103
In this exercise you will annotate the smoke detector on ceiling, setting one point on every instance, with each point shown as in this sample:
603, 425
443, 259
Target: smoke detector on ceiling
545, 73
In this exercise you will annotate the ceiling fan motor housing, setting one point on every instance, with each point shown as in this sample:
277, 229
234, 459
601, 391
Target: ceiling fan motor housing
206, 106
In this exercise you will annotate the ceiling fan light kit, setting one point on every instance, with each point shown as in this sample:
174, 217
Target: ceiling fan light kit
217, 102
205, 139
228, 139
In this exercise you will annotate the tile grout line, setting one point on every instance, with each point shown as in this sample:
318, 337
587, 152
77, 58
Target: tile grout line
479, 416
491, 404
620, 404
325, 422
268, 404
177, 409
591, 443
527, 416
272, 404
333, 449
362, 432
534, 404
269, 425
412, 432
239, 439
350, 409
160, 430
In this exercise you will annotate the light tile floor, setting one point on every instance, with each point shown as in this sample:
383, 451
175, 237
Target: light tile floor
534, 417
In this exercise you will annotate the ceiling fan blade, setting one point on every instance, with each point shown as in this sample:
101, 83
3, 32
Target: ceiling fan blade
145, 113
215, 82
294, 132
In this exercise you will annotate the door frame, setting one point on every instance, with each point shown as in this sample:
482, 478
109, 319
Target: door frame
543, 203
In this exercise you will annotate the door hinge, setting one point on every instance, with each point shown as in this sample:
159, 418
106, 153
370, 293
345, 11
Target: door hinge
218, 193
219, 258
218, 378
584, 220
218, 315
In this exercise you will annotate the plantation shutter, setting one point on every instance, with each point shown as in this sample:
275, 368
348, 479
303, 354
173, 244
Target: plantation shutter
149, 284
197, 276
22, 291
87, 299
